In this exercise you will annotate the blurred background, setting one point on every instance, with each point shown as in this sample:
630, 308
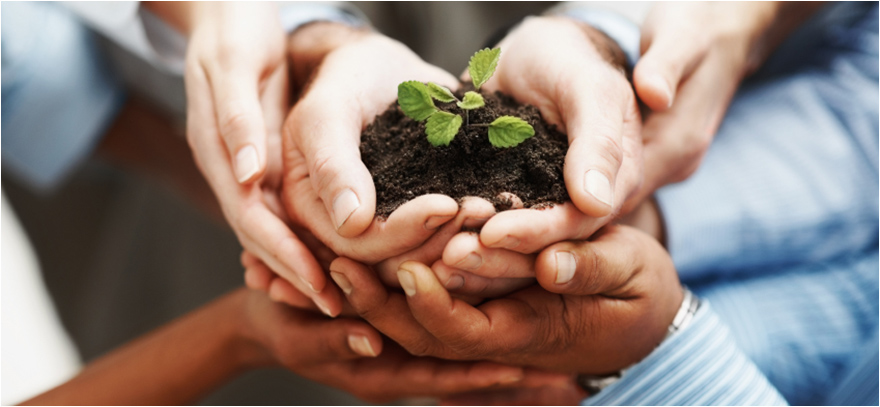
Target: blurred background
123, 249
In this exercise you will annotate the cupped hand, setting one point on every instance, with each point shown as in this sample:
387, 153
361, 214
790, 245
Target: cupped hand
237, 94
349, 354
614, 310
694, 57
473, 213
565, 69
327, 188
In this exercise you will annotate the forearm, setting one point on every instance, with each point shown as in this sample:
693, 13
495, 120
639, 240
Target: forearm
176, 364
779, 20
178, 14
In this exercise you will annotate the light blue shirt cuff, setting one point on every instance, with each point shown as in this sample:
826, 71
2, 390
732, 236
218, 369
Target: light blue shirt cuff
300, 14
620, 29
700, 365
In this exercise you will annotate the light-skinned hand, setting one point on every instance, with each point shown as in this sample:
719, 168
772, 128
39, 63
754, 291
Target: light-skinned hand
694, 57
564, 68
237, 94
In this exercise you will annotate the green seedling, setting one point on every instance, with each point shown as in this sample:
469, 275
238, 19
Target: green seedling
416, 99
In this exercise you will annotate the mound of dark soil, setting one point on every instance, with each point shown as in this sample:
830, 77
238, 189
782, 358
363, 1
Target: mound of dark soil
404, 165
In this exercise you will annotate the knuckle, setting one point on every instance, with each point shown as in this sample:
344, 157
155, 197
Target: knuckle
470, 345
609, 148
234, 123
694, 146
419, 348
322, 164
594, 264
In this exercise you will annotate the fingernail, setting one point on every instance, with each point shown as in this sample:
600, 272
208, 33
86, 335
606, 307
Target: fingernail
659, 83
361, 345
343, 206
246, 163
455, 282
565, 267
407, 281
342, 281
509, 242
511, 379
598, 186
435, 221
312, 287
471, 262
323, 307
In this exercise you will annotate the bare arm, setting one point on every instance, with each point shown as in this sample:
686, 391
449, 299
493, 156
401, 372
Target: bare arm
176, 364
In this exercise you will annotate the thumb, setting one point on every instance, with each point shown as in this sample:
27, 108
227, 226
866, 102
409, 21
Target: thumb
338, 340
328, 138
668, 60
241, 123
602, 266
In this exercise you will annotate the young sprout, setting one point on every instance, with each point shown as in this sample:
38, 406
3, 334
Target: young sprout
417, 101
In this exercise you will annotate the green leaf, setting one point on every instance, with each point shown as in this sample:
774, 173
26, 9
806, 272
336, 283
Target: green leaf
509, 131
442, 128
482, 65
472, 100
415, 101
440, 93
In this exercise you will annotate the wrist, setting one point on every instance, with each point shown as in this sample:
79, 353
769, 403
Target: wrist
308, 45
605, 47
178, 14
246, 342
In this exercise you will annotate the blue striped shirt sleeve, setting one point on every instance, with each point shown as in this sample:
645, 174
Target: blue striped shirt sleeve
700, 365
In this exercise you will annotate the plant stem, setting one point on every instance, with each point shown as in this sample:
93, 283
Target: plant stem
479, 125
467, 118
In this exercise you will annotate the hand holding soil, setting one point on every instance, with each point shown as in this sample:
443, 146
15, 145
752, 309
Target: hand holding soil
574, 76
570, 72
327, 188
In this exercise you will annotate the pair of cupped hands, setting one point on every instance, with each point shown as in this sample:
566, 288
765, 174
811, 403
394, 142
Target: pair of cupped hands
569, 291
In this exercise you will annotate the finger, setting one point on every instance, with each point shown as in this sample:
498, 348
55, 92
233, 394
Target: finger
602, 266
261, 225
595, 128
464, 283
248, 259
676, 140
465, 252
398, 374
562, 395
328, 136
530, 230
410, 225
337, 340
275, 102
406, 228
259, 230
386, 311
474, 212
329, 300
281, 290
468, 331
670, 57
240, 120
258, 278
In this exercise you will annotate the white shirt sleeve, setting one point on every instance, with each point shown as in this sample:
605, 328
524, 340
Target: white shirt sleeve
135, 29
146, 35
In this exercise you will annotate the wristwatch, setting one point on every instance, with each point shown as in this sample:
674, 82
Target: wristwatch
689, 305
